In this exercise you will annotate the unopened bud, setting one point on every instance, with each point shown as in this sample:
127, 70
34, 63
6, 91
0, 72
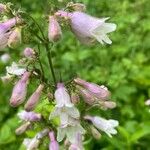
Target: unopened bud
109, 104
33, 100
54, 30
77, 6
20, 90
15, 38
22, 128
29, 52
100, 92
29, 116
75, 98
96, 134
3, 8
53, 144
31, 144
5, 58
87, 96
43, 133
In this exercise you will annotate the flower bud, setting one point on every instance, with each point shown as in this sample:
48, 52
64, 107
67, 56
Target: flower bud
7, 78
20, 90
54, 30
53, 144
3, 8
108, 104
87, 96
34, 98
100, 92
29, 52
77, 6
31, 144
75, 98
96, 134
29, 116
5, 58
22, 128
43, 133
15, 38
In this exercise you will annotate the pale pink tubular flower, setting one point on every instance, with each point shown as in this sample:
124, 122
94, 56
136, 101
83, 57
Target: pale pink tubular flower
108, 126
54, 29
100, 92
34, 98
29, 52
29, 116
5, 30
20, 90
87, 28
15, 37
53, 144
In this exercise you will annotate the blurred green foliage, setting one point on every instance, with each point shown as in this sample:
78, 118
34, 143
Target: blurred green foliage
123, 66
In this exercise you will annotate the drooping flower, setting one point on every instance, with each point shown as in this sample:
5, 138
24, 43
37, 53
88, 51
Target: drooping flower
5, 58
15, 37
19, 91
29, 52
87, 28
70, 131
14, 69
34, 98
54, 30
6, 30
53, 144
29, 116
64, 108
104, 125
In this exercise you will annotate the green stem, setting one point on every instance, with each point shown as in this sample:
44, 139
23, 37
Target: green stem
50, 62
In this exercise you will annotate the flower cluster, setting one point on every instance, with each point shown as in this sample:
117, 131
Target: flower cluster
68, 102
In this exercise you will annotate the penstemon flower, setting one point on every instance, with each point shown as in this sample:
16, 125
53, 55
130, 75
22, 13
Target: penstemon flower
105, 125
87, 28
14, 69
62, 100
64, 108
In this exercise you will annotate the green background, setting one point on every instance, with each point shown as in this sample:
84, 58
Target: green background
124, 67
